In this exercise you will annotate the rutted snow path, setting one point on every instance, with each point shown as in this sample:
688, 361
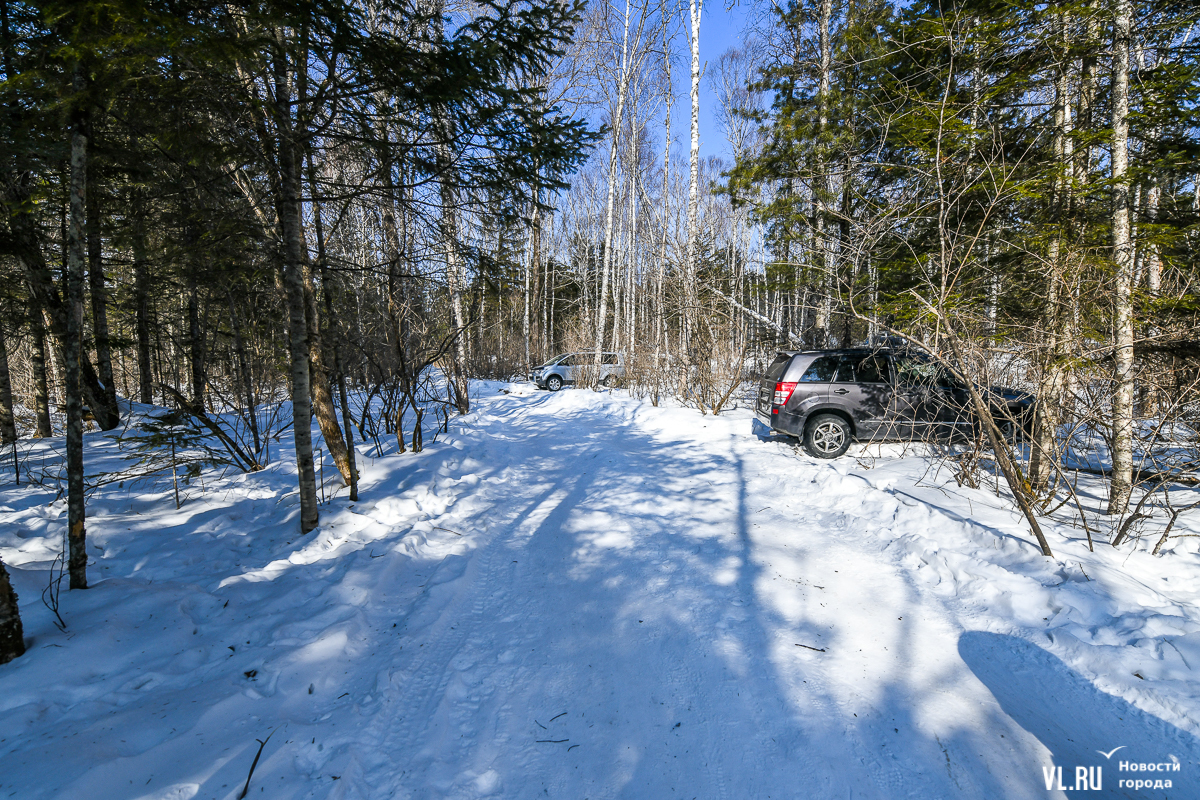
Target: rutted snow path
575, 596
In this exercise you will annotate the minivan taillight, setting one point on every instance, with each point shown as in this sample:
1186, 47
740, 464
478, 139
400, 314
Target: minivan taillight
783, 392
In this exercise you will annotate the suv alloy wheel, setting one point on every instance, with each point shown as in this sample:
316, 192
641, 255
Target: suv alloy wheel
827, 436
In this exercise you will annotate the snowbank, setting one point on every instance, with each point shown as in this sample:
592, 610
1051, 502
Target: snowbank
577, 594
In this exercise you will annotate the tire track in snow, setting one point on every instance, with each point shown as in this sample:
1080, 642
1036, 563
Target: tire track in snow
418, 689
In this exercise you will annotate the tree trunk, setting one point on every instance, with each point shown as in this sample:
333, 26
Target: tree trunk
73, 341
246, 378
695, 8
606, 262
1153, 258
530, 267
41, 391
338, 364
291, 224
822, 185
454, 280
1122, 408
322, 393
8, 425
141, 294
12, 636
660, 323
99, 294
1044, 453
321, 390
195, 334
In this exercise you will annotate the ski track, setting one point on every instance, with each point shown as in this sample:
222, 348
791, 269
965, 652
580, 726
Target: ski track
579, 595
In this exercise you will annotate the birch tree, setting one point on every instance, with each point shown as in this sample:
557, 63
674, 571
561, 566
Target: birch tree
617, 121
1122, 248
695, 9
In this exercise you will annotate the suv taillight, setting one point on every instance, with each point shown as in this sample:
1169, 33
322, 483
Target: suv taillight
783, 392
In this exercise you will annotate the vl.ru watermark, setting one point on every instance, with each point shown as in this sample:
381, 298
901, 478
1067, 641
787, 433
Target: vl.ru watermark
1091, 778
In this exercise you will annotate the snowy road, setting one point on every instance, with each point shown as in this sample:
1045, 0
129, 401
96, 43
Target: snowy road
573, 596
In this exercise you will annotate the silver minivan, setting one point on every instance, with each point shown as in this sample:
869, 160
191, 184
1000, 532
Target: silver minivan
569, 368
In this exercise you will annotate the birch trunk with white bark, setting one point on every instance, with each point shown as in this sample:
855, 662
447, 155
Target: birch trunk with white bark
606, 261
822, 186
696, 9
292, 246
1044, 451
1122, 408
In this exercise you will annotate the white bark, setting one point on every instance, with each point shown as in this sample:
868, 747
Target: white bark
696, 8
1122, 422
1153, 258
793, 338
606, 262
660, 339
823, 185
530, 265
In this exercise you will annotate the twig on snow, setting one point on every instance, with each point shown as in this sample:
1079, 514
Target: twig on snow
261, 744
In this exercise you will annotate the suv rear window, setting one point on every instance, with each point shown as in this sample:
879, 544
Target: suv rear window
775, 371
820, 370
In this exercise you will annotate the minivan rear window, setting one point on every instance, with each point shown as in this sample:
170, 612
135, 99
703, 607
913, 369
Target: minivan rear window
820, 371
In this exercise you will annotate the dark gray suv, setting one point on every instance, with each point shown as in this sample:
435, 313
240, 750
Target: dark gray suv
828, 398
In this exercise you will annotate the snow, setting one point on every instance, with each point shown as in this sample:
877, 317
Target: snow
582, 595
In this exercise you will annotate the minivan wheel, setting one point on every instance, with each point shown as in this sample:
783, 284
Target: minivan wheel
827, 436
554, 383
609, 381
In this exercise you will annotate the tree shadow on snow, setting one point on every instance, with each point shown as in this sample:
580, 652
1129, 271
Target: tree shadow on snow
1076, 721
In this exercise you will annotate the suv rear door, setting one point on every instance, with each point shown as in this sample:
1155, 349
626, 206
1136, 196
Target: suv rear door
813, 383
766, 388
863, 387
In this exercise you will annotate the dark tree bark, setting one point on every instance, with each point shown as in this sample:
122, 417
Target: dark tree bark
12, 636
41, 390
99, 293
245, 378
8, 425
195, 337
73, 341
141, 292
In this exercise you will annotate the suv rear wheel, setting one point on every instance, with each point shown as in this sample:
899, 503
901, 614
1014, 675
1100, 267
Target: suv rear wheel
827, 436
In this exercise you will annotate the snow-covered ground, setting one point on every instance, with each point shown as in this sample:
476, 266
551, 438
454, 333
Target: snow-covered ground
578, 595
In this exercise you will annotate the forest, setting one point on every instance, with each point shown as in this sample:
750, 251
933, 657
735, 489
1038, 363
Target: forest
247, 216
